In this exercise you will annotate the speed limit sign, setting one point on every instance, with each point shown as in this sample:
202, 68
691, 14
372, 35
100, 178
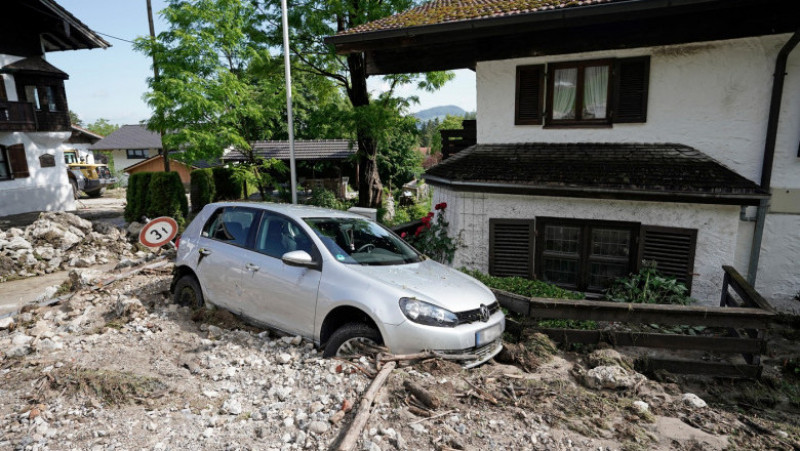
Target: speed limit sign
158, 232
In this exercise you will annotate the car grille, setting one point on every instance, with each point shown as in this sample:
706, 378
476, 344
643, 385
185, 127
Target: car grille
471, 316
483, 353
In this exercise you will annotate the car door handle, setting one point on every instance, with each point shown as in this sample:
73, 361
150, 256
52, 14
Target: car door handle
252, 267
203, 251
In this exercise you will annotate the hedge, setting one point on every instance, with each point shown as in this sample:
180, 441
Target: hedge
136, 196
226, 187
202, 188
166, 197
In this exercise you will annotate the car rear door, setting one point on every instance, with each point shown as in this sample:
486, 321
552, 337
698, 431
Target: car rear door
220, 267
279, 295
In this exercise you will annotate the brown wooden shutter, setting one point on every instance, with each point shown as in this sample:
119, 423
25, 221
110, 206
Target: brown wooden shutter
511, 247
18, 161
529, 95
631, 83
672, 249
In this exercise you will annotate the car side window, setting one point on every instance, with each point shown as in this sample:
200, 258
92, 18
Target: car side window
232, 225
278, 235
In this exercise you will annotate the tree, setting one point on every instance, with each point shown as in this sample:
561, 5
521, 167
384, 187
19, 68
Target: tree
102, 127
74, 119
311, 21
399, 160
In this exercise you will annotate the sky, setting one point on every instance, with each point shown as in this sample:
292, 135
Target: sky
110, 83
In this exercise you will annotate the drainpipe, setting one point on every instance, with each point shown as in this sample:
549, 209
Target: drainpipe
769, 151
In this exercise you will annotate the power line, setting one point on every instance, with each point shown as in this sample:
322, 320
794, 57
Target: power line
114, 37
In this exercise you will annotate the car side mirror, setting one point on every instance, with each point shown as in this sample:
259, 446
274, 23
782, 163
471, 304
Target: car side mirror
299, 258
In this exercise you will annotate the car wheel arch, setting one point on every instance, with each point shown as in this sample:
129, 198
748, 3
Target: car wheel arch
179, 272
344, 314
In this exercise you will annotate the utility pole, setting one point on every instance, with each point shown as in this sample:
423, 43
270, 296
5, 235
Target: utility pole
164, 150
288, 72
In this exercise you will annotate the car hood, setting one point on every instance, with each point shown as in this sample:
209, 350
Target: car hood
433, 282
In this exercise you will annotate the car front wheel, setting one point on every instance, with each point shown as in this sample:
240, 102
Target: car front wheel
188, 292
352, 339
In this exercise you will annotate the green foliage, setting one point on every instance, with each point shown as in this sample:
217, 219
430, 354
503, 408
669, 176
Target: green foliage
399, 162
226, 184
524, 287
167, 197
202, 188
567, 324
648, 286
408, 213
102, 127
74, 119
791, 367
136, 196
261, 173
432, 238
322, 197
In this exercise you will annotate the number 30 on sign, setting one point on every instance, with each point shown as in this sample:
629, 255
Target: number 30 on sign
158, 232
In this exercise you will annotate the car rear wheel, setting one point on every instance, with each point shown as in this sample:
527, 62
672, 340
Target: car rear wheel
188, 292
352, 339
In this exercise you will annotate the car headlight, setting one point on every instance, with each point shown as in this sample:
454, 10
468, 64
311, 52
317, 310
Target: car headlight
425, 313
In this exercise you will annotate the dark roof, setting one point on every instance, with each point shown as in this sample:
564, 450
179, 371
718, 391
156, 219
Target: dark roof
665, 172
81, 135
44, 25
129, 137
34, 65
324, 149
454, 34
444, 11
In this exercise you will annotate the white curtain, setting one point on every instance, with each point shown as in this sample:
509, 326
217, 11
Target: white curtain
564, 89
595, 92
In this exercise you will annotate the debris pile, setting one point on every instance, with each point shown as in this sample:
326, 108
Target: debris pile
59, 241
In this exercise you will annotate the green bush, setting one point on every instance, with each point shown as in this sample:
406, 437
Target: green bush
202, 188
136, 196
167, 197
325, 198
648, 286
226, 185
524, 287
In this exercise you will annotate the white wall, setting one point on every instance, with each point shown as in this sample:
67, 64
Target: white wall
713, 96
47, 189
121, 160
469, 215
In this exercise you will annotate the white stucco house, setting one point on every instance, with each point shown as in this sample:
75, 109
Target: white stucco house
127, 146
615, 131
34, 115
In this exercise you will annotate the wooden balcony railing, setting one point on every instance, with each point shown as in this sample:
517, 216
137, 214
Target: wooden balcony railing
17, 116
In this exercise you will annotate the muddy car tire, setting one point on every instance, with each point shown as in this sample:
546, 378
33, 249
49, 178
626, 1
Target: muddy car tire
188, 292
346, 337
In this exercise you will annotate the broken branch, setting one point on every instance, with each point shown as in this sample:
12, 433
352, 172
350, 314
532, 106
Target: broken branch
362, 415
426, 397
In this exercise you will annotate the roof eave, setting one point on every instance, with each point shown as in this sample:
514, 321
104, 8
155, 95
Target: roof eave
538, 17
91, 39
600, 193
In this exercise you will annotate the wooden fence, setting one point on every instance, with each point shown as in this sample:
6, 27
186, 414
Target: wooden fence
746, 320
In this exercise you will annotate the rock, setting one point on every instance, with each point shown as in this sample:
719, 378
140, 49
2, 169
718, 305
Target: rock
336, 417
79, 279
20, 338
17, 243
296, 340
284, 358
232, 407
609, 357
371, 446
782, 434
109, 231
282, 393
318, 427
692, 400
214, 332
208, 433
641, 406
18, 351
128, 307
7, 323
134, 228
612, 377
49, 345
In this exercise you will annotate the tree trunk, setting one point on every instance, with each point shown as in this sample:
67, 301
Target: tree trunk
370, 189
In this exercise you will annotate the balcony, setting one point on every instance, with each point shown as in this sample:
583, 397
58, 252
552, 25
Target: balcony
454, 141
17, 117
21, 117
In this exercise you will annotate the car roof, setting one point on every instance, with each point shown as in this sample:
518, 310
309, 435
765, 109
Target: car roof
296, 211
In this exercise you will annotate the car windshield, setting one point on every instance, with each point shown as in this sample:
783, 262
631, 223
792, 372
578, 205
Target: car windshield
360, 242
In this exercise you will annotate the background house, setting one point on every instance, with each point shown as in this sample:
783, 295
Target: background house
570, 180
129, 145
156, 164
323, 163
79, 143
34, 115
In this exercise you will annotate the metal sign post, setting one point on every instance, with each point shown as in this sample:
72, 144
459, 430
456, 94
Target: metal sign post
288, 67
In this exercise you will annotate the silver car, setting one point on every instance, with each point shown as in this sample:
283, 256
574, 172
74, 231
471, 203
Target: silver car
336, 278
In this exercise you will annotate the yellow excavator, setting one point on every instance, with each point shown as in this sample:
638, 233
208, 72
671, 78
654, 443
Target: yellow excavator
92, 179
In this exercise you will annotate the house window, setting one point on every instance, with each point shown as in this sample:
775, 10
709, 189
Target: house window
137, 154
32, 96
583, 93
579, 93
51, 99
5, 171
585, 255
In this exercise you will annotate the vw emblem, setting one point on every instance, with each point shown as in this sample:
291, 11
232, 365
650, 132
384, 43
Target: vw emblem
484, 313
